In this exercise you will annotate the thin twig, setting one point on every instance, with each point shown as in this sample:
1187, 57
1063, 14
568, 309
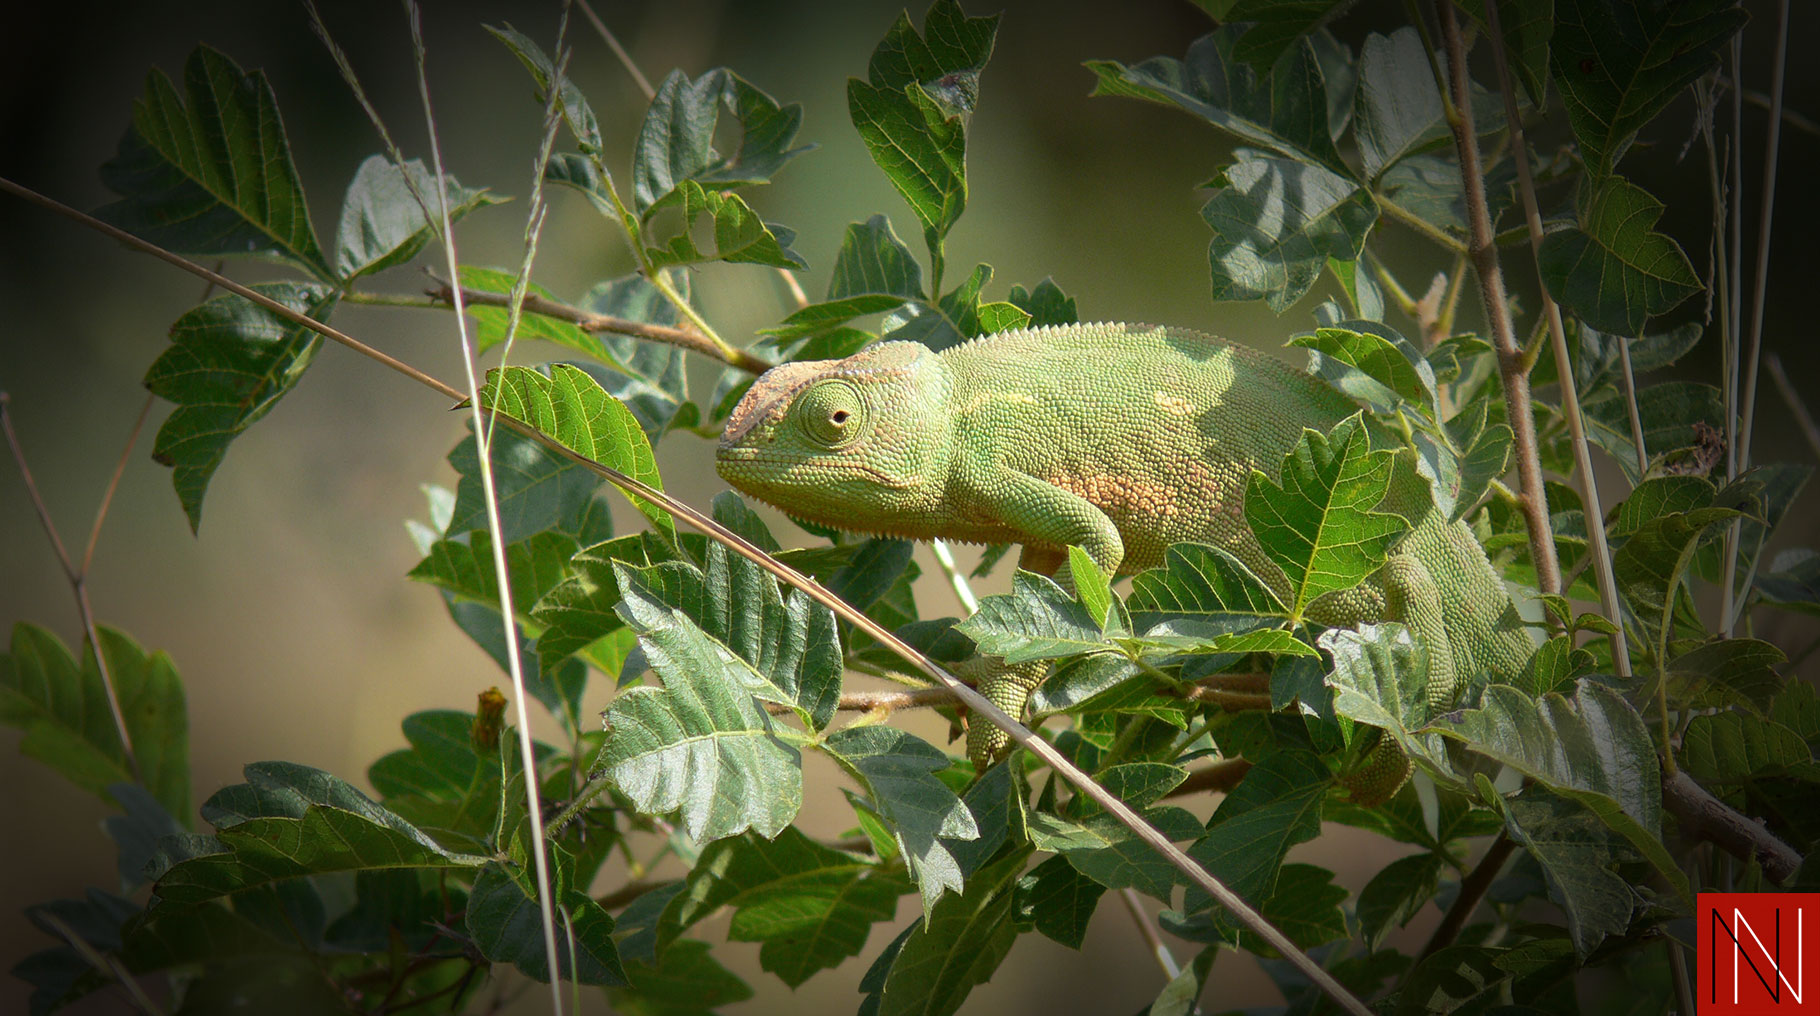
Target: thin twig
502, 571
1484, 253
612, 41
78, 582
1630, 388
980, 706
882, 701
1765, 219
1146, 927
1793, 399
103, 963
588, 321
1472, 889
1570, 398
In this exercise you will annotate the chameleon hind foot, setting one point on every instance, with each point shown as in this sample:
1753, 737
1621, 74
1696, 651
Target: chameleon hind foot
1007, 686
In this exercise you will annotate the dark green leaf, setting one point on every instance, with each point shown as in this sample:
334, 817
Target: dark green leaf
1650, 566
1396, 894
872, 260
1387, 361
1556, 663
1619, 64
1059, 900
811, 906
676, 143
439, 783
503, 919
538, 488
1380, 678
651, 377
740, 236
575, 109
1284, 111
1527, 25
1046, 304
1669, 412
137, 832
464, 567
1729, 749
1576, 856
208, 172
1727, 672
1318, 524
1199, 582
490, 321
1276, 806
228, 364
688, 982
1611, 269
62, 707
381, 222
1275, 224
1103, 849
961, 943
896, 770
1793, 581
1397, 109
570, 407
1276, 25
580, 609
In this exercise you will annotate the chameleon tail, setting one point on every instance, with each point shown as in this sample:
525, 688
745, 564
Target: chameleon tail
1007, 686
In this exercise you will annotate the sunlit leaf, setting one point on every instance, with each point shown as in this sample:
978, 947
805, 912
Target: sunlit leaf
1276, 222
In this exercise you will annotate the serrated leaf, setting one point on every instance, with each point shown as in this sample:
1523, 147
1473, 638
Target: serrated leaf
1730, 749
1668, 412
701, 745
539, 489
439, 783
1592, 748
676, 143
1046, 304
1617, 65
1276, 222
62, 707
1380, 678
810, 905
286, 822
960, 944
1104, 850
1284, 110
896, 769
208, 172
1386, 360
571, 407
381, 222
228, 364
1649, 567
649, 377
912, 111
1396, 894
687, 982
1202, 583
872, 260
1727, 672
1318, 524
503, 919
1276, 806
1035, 621
1611, 269
490, 321
575, 109
580, 609
740, 236
1575, 854
1059, 900
464, 567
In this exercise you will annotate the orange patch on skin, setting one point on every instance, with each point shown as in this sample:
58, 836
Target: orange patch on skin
1174, 405
1120, 495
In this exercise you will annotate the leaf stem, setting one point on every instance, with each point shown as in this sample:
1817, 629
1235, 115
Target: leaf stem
1484, 254
944, 559
1420, 225
1570, 399
1793, 399
1146, 927
662, 282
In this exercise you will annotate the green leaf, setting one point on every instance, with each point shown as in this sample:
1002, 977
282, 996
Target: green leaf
1727, 672
503, 919
1730, 749
1201, 583
1276, 222
1669, 412
1305, 906
579, 610
1793, 581
1428, 187
1593, 748
1650, 566
1387, 361
1380, 678
1528, 25
1276, 806
959, 945
1104, 850
1275, 25
1284, 111
286, 822
1575, 854
810, 905
688, 982
1556, 663
439, 783
1617, 65
208, 172
912, 112
228, 364
1035, 621
676, 143
1397, 109
896, 771
381, 222
649, 377
62, 707
464, 567
575, 109
740, 236
701, 744
1046, 304
1317, 525
1059, 900
569, 406
1396, 894
490, 321
823, 317
1611, 269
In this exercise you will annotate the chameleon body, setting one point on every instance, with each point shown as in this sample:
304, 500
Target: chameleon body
1120, 439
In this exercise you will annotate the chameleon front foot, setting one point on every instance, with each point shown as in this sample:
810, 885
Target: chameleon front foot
1007, 686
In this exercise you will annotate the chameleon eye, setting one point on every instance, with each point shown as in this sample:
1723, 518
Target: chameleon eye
831, 412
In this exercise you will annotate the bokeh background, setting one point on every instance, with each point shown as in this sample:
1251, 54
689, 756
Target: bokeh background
289, 615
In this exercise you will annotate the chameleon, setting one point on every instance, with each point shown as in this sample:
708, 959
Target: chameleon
1120, 439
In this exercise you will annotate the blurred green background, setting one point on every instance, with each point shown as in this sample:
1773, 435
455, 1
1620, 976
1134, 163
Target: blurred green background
289, 616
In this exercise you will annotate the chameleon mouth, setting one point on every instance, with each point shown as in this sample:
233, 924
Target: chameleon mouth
741, 459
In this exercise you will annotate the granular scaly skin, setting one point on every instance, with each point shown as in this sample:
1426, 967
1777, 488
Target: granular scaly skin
1118, 438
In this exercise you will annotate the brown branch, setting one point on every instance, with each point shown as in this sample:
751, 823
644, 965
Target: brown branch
588, 321
1472, 889
1484, 254
1219, 778
1705, 817
884, 701
1234, 701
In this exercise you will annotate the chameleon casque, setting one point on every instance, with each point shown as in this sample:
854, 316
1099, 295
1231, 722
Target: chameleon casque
1118, 438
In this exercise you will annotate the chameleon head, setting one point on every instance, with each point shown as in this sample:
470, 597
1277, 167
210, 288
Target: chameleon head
859, 444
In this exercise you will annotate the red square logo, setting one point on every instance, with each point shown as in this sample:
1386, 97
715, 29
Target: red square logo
1754, 953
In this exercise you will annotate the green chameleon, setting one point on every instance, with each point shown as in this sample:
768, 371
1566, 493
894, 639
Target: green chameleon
1120, 439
